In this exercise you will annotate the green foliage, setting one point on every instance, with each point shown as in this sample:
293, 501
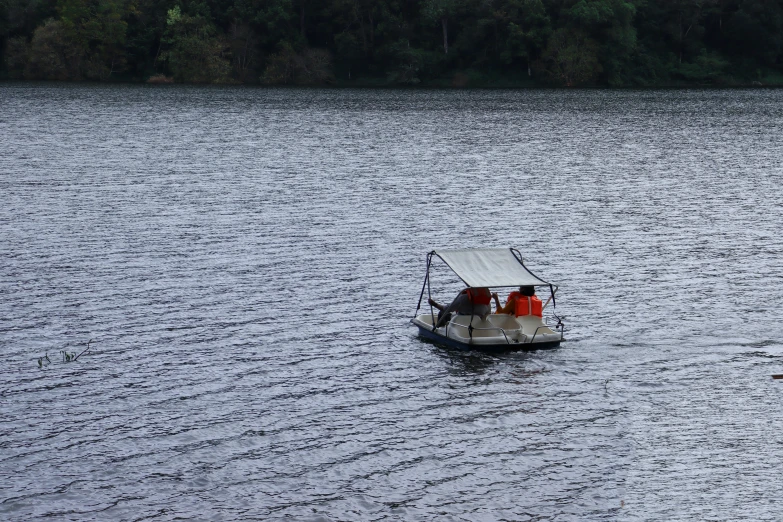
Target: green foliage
436, 10
408, 63
430, 42
754, 34
440, 12
87, 41
52, 55
525, 27
707, 67
195, 54
17, 54
310, 67
570, 59
94, 32
609, 24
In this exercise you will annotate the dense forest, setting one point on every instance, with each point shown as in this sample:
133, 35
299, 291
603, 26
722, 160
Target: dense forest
396, 42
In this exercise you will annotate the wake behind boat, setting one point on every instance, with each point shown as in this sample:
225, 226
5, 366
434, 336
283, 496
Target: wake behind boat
467, 324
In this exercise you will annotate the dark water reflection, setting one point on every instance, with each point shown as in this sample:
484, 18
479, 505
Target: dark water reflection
247, 261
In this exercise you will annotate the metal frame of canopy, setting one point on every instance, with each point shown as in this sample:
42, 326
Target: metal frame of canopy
516, 254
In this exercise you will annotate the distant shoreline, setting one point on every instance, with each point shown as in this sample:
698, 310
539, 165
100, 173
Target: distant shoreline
424, 86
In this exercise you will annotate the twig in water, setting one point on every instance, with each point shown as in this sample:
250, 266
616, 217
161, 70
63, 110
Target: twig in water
85, 350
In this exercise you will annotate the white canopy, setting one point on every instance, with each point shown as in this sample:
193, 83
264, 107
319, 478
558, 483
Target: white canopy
488, 267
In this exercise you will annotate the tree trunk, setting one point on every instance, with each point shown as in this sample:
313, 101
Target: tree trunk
445, 24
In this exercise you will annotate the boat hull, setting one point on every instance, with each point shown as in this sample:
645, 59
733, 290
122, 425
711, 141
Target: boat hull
438, 338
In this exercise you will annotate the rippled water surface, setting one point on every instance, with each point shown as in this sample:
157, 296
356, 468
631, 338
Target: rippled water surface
246, 262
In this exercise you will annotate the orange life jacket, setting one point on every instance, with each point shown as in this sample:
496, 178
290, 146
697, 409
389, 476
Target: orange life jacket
526, 305
479, 296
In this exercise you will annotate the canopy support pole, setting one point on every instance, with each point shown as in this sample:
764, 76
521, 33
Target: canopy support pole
426, 285
554, 305
429, 293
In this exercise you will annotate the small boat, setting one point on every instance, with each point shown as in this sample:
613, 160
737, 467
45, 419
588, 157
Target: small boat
490, 268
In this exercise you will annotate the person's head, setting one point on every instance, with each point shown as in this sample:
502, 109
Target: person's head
527, 290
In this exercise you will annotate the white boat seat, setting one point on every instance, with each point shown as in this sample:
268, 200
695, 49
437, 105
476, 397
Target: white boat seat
490, 327
529, 324
427, 319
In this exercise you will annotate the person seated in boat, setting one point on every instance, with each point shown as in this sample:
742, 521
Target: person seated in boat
471, 301
519, 303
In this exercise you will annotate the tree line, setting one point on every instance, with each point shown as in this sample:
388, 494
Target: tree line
396, 42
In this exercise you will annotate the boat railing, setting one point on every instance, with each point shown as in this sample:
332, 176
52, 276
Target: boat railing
521, 337
558, 327
536, 332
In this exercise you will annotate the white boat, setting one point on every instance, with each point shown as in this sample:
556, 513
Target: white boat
498, 269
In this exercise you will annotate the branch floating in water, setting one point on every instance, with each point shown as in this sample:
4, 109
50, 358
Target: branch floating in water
67, 356
85, 350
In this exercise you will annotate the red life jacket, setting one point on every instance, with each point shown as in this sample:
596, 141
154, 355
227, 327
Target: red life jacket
526, 305
479, 296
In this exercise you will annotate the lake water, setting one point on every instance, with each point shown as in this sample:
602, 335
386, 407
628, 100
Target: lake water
246, 262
